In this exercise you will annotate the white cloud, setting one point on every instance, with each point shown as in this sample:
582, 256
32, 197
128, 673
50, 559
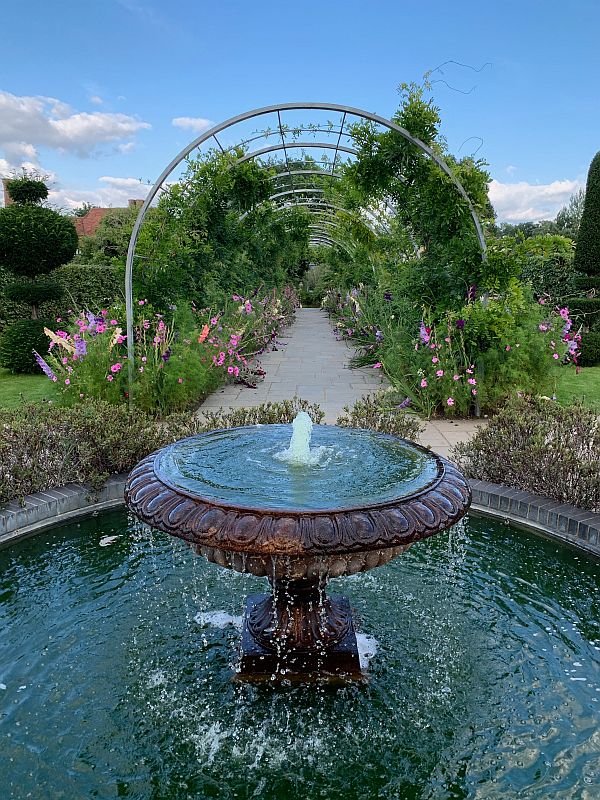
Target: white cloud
511, 169
197, 124
27, 123
96, 100
112, 192
527, 202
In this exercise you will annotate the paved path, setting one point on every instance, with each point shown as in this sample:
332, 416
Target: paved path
313, 365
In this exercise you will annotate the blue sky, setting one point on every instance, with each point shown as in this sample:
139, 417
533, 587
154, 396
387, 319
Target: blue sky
89, 90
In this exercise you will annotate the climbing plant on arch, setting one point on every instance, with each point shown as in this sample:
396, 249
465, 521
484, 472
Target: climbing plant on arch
293, 139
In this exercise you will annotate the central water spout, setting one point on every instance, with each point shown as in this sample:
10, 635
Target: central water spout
299, 451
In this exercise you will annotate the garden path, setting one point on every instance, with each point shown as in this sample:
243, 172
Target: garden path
312, 364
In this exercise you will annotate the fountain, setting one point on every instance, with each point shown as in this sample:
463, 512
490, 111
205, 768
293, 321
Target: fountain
298, 516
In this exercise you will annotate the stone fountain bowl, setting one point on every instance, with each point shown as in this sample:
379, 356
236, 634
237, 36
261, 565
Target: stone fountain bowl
294, 543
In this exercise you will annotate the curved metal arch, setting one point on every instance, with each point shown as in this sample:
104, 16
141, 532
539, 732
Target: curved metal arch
302, 145
321, 172
278, 108
329, 241
317, 204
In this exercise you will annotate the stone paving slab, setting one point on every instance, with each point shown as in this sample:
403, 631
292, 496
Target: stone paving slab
314, 365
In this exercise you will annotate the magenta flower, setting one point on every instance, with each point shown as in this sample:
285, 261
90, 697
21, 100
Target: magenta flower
440, 373
507, 348
114, 322
423, 384
67, 382
141, 302
378, 365
472, 381
109, 377
434, 360
473, 392
214, 321
555, 355
179, 380
450, 401
456, 377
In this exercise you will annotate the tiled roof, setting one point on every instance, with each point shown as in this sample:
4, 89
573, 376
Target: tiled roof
86, 226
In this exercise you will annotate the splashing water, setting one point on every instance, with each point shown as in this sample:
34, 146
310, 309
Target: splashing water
299, 451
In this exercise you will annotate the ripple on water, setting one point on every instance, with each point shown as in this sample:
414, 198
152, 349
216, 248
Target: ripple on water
483, 650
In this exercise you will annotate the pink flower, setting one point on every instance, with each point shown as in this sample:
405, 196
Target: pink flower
109, 377
440, 373
470, 371
456, 377
248, 307
114, 322
423, 384
103, 312
141, 302
144, 359
447, 339
230, 370
59, 319
378, 365
507, 348
472, 381
543, 327
450, 401
473, 392
64, 360
564, 312
141, 369
213, 321
116, 367
554, 355
81, 395
67, 382
100, 328
236, 371
179, 380
434, 360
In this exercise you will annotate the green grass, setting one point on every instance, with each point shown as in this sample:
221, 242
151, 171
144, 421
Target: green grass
584, 386
17, 389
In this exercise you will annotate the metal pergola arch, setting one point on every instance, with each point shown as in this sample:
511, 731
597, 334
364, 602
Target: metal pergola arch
338, 148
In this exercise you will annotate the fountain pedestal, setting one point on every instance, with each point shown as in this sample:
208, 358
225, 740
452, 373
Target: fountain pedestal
297, 632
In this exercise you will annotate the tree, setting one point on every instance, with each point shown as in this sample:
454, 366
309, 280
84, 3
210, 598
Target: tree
83, 209
587, 253
568, 218
33, 241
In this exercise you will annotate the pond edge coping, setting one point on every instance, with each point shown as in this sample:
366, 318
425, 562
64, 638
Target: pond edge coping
559, 521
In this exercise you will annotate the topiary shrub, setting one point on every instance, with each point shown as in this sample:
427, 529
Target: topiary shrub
586, 307
539, 446
547, 264
35, 240
590, 350
26, 190
587, 253
34, 293
18, 342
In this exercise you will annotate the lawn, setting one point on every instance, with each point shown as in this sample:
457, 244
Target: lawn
15, 389
584, 386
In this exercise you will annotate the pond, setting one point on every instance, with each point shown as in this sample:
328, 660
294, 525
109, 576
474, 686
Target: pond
118, 646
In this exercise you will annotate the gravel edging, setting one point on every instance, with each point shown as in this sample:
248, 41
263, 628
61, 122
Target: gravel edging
565, 523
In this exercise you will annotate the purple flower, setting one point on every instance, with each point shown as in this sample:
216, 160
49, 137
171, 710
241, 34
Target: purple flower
472, 293
166, 355
424, 333
378, 336
460, 324
80, 348
405, 403
46, 369
387, 296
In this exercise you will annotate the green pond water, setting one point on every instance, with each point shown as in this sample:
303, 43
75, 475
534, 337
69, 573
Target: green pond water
116, 656
352, 468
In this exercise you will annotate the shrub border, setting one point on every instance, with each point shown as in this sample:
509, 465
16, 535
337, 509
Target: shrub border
567, 524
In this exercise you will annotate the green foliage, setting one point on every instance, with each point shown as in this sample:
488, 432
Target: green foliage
35, 240
213, 233
27, 190
109, 242
382, 412
546, 263
588, 308
539, 446
587, 253
590, 350
88, 286
568, 218
313, 285
34, 293
19, 340
263, 414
